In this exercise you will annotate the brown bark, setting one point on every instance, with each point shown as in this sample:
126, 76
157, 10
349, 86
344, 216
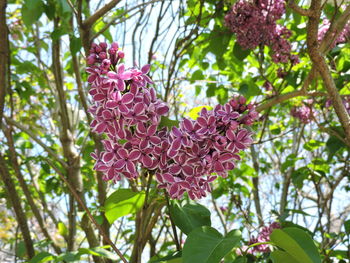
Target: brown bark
320, 63
16, 204
26, 191
101, 185
4, 56
69, 151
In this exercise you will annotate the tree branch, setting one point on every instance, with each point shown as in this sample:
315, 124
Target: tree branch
4, 57
298, 9
86, 209
16, 204
334, 30
37, 140
26, 191
320, 64
99, 13
284, 97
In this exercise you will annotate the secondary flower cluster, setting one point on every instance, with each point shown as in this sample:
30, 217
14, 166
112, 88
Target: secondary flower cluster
304, 113
205, 146
264, 236
254, 23
342, 37
128, 113
345, 100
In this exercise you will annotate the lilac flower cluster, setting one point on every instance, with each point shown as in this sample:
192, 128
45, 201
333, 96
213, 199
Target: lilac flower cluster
125, 110
304, 113
254, 23
342, 37
206, 146
128, 113
264, 236
345, 100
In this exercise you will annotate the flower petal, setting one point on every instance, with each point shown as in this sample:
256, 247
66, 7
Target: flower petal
127, 98
122, 153
134, 155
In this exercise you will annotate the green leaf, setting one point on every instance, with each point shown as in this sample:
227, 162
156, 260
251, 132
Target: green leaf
62, 229
98, 251
172, 258
64, 8
249, 89
166, 122
240, 260
123, 202
74, 44
313, 145
57, 33
197, 75
190, 216
347, 226
297, 243
42, 257
239, 52
21, 250
68, 257
32, 11
279, 256
207, 245
50, 9
193, 114
333, 145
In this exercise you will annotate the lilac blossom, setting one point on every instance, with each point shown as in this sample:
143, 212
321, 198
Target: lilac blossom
341, 38
254, 23
304, 112
127, 113
263, 236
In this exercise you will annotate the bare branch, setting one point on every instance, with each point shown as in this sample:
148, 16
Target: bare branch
4, 57
99, 13
82, 204
37, 140
123, 17
25, 188
334, 30
322, 67
16, 204
284, 97
298, 9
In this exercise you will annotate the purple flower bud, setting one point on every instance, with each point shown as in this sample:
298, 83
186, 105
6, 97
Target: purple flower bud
112, 51
103, 45
121, 54
98, 49
91, 59
115, 45
102, 55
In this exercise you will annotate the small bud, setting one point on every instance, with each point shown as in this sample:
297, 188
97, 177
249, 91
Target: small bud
121, 54
91, 59
106, 64
115, 45
103, 45
111, 51
102, 55
98, 49
242, 100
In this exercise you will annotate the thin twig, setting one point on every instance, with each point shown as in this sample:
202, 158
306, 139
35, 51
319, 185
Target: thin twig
42, 144
177, 243
93, 220
99, 13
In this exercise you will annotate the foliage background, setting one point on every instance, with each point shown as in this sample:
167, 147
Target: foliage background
295, 173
